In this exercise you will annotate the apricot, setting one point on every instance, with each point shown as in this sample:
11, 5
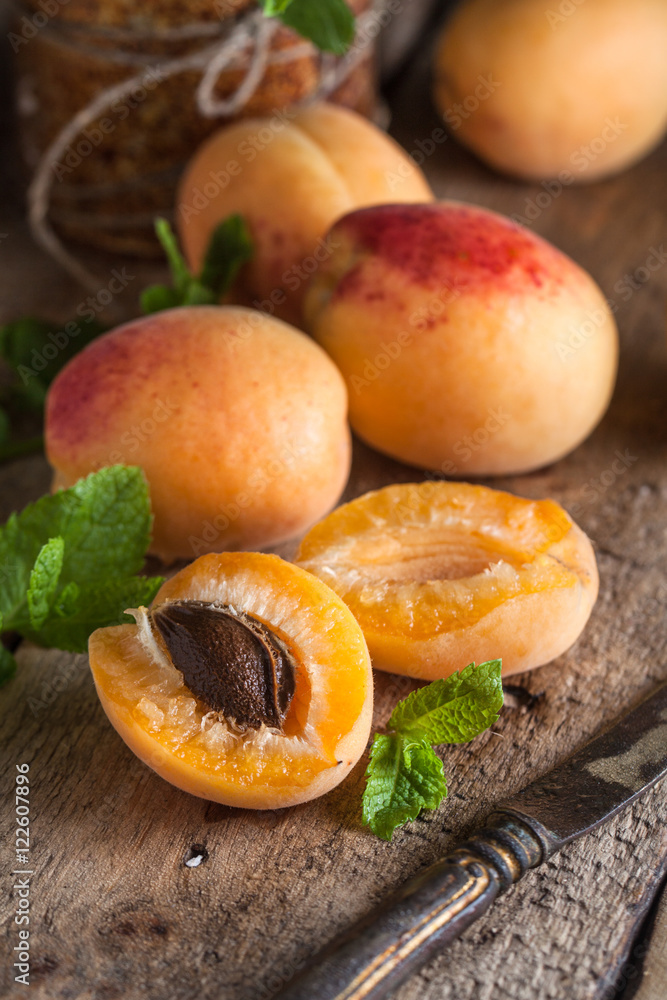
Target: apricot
270, 707
543, 92
469, 345
290, 180
238, 421
440, 574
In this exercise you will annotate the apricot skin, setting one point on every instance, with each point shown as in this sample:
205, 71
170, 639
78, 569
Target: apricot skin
469, 345
329, 726
290, 181
583, 94
427, 625
231, 414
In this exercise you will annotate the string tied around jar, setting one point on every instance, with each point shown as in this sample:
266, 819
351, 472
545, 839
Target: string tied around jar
252, 31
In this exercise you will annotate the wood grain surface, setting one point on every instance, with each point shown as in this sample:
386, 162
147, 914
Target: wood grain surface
116, 912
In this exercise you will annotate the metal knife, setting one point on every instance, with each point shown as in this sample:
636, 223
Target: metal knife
433, 909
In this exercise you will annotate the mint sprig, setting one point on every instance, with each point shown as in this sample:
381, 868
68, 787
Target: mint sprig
229, 248
69, 561
329, 24
404, 774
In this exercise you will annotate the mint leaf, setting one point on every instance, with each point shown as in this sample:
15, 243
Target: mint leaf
44, 581
180, 272
230, 247
105, 520
453, 710
329, 24
68, 562
155, 298
403, 777
273, 7
99, 607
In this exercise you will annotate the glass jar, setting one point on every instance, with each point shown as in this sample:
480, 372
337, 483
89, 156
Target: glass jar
103, 71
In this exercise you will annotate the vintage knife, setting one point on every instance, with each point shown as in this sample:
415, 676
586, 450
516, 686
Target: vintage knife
433, 909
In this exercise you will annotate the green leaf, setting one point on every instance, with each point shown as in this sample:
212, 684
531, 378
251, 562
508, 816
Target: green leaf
273, 7
155, 298
7, 665
105, 523
105, 520
230, 247
329, 24
44, 581
180, 272
403, 777
453, 710
97, 607
198, 295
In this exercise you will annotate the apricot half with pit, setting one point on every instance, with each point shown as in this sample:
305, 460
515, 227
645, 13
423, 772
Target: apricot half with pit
443, 574
247, 682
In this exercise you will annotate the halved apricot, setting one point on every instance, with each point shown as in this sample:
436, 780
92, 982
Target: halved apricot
442, 574
248, 682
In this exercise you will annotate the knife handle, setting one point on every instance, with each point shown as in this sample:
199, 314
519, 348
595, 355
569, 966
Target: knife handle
426, 915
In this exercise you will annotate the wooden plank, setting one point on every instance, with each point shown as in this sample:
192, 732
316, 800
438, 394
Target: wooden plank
115, 910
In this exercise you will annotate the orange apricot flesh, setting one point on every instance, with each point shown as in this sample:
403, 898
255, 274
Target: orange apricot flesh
442, 574
327, 724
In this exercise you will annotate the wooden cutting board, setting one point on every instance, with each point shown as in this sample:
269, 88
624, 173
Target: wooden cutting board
116, 911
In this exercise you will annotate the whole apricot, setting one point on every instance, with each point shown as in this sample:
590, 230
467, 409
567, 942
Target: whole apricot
443, 574
543, 92
290, 180
237, 419
469, 345
247, 682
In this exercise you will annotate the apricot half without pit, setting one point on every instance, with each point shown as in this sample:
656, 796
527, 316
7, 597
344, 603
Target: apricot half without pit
248, 682
442, 574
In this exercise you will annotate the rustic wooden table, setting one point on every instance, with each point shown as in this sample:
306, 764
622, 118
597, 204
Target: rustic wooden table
115, 909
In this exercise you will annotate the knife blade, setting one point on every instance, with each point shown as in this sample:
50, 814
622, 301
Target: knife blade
604, 776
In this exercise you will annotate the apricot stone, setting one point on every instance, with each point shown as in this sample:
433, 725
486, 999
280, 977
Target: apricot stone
237, 419
469, 345
542, 90
439, 575
207, 751
290, 177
